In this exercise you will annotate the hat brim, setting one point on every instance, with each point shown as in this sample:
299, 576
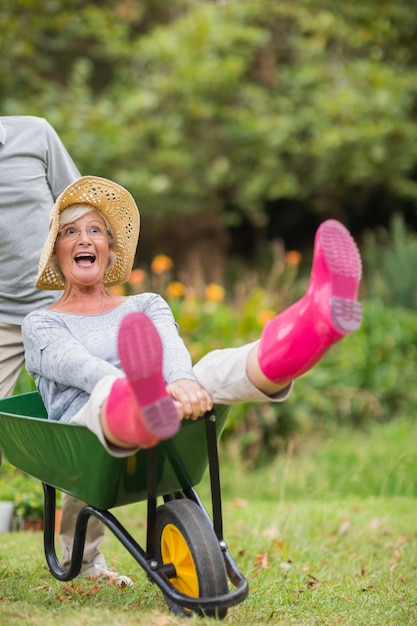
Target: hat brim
117, 205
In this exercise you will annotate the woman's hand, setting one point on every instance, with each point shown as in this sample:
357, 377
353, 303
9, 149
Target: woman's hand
190, 398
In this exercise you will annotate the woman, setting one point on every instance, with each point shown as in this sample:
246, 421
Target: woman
117, 365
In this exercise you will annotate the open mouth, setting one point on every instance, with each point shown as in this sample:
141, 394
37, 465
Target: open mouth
85, 258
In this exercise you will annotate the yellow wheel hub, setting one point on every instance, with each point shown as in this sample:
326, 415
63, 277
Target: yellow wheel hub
175, 550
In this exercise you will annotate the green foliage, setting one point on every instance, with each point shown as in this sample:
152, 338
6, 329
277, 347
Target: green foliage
347, 466
269, 104
25, 491
29, 503
390, 264
24, 384
220, 107
368, 377
377, 462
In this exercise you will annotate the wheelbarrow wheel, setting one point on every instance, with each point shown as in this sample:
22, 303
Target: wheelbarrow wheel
185, 538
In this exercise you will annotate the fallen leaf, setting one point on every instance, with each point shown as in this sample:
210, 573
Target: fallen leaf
92, 591
312, 582
261, 560
63, 599
348, 600
41, 587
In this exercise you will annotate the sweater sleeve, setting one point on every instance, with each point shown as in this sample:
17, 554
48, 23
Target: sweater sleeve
53, 353
60, 168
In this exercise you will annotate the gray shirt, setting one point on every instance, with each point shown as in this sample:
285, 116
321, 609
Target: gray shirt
34, 168
67, 353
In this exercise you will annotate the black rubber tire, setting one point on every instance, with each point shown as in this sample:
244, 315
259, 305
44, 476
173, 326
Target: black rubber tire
197, 531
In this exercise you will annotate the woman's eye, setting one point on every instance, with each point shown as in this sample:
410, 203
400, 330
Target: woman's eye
70, 230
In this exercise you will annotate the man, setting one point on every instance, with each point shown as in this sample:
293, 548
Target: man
35, 168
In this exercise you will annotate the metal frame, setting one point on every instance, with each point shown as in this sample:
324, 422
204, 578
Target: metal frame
156, 572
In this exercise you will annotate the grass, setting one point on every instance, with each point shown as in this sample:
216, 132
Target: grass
379, 462
325, 535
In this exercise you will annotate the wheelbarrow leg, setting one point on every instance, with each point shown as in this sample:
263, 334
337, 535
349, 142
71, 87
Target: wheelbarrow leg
49, 538
152, 482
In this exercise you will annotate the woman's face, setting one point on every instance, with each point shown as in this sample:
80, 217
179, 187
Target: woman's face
82, 251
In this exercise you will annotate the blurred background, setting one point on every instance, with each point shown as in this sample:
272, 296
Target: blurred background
239, 126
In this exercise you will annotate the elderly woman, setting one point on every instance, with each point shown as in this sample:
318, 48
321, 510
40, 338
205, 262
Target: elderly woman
117, 364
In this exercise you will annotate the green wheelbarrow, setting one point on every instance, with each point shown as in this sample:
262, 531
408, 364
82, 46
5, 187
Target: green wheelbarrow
185, 553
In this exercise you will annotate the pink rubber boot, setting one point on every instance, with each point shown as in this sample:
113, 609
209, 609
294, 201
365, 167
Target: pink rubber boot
297, 338
139, 410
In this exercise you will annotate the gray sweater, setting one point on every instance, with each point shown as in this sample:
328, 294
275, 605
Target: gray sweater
68, 353
34, 168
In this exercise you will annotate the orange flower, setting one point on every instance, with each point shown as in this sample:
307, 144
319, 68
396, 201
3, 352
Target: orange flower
214, 293
161, 263
266, 315
293, 257
175, 290
137, 277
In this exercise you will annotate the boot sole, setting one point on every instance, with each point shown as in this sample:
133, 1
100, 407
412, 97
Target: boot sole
343, 262
346, 314
140, 352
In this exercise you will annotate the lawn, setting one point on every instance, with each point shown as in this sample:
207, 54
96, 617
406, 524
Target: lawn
327, 535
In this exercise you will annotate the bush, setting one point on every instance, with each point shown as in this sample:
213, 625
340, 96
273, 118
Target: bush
390, 261
25, 491
370, 376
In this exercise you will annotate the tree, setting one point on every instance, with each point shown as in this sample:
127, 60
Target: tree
211, 113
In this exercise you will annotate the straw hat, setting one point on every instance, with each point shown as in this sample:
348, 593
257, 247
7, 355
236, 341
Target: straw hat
117, 206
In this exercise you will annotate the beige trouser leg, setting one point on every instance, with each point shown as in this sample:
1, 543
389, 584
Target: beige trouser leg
223, 374
11, 360
94, 537
11, 357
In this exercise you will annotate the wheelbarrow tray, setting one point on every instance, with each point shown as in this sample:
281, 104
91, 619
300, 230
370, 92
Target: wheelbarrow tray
70, 458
